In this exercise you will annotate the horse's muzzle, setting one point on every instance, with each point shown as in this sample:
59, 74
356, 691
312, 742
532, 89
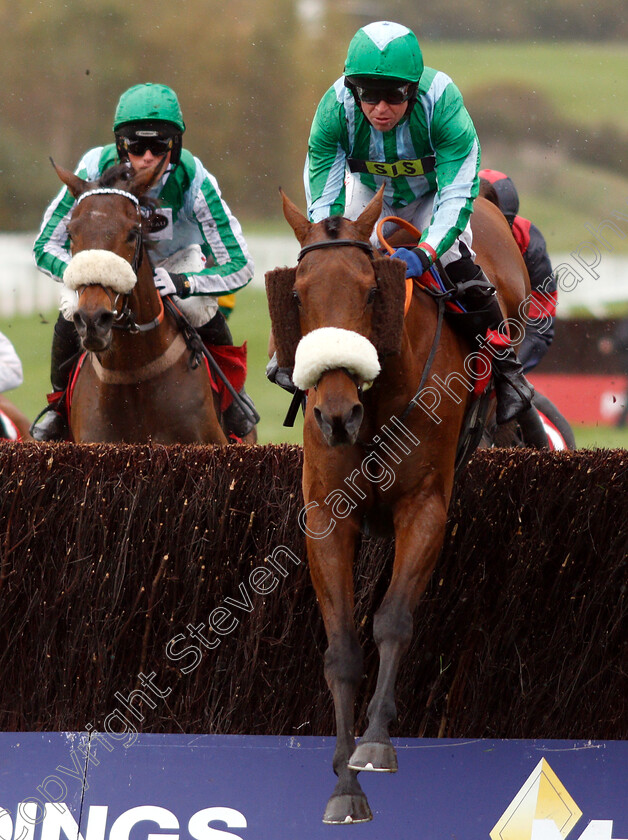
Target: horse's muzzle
339, 429
337, 408
94, 329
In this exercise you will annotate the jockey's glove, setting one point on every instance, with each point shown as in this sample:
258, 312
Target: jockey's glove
172, 284
280, 375
416, 260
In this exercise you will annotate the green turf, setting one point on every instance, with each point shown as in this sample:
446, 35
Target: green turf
250, 322
586, 83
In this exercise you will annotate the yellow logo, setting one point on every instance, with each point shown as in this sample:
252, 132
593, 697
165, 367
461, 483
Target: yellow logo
542, 797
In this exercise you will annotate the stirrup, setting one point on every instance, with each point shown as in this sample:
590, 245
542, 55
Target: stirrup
238, 421
512, 398
49, 426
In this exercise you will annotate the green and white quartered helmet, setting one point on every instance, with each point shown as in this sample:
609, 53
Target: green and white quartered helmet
384, 51
149, 111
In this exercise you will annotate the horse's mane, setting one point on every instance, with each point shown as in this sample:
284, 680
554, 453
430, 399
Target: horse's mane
332, 226
118, 177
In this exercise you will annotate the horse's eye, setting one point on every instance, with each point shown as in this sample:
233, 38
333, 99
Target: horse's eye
371, 294
132, 236
296, 298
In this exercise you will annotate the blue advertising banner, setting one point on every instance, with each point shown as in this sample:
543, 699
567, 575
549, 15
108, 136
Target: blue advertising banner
80, 786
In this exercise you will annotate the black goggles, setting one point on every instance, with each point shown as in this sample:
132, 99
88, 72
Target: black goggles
392, 96
157, 146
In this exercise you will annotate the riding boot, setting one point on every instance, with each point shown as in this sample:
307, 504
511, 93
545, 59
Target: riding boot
237, 421
216, 331
481, 325
52, 423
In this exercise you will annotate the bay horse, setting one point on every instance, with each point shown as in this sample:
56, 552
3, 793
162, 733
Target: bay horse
136, 384
375, 452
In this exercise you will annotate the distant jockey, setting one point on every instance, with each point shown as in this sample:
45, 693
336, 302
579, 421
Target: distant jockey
11, 376
148, 126
542, 310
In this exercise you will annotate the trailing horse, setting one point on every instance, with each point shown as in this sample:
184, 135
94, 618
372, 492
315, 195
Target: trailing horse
139, 381
380, 442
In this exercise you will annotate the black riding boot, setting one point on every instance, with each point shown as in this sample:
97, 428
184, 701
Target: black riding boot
216, 331
237, 421
480, 324
52, 423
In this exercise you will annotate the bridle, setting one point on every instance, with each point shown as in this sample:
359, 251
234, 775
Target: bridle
125, 319
332, 243
440, 302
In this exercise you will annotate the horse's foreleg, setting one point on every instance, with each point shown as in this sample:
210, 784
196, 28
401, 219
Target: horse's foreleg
331, 568
419, 534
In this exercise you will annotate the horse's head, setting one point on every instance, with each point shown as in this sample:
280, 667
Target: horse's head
105, 232
336, 315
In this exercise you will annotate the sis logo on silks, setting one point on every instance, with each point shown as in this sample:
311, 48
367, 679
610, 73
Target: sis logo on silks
544, 810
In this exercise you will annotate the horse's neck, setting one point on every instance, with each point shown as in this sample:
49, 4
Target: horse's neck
156, 330
145, 298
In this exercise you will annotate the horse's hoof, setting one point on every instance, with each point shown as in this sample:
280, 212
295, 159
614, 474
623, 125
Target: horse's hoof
379, 758
347, 809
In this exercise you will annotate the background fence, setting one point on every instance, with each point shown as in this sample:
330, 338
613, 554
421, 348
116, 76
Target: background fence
25, 290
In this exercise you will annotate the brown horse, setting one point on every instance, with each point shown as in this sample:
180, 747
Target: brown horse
382, 456
136, 384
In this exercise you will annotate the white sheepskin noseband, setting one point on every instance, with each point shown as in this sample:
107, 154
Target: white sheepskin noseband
96, 267
330, 348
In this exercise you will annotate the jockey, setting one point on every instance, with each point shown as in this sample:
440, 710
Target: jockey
11, 375
539, 331
148, 126
391, 120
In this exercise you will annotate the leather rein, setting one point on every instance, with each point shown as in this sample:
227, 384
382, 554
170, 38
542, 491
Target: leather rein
125, 319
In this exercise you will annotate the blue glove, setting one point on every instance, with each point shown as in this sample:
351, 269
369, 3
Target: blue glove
416, 260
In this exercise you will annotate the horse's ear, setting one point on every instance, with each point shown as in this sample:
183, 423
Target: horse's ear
388, 306
365, 222
295, 218
284, 314
144, 179
75, 185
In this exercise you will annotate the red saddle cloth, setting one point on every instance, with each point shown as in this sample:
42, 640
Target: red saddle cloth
231, 361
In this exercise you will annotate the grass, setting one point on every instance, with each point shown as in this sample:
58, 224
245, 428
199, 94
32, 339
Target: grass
586, 83
250, 322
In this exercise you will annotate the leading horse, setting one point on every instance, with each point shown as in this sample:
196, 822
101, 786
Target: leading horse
375, 452
136, 384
